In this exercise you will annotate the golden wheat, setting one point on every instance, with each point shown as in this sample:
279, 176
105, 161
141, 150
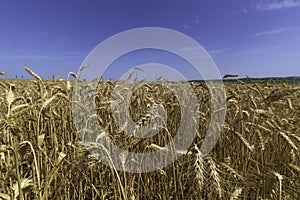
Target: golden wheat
42, 155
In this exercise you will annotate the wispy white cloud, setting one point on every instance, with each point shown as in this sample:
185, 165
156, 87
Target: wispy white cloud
271, 32
186, 26
252, 51
268, 5
216, 51
276, 31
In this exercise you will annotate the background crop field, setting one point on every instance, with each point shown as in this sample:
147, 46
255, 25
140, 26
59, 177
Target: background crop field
256, 157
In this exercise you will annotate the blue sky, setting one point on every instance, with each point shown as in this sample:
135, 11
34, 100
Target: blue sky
258, 38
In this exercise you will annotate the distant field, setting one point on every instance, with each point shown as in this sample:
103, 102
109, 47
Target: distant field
270, 81
256, 157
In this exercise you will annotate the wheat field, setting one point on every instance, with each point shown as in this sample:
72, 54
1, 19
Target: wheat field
42, 156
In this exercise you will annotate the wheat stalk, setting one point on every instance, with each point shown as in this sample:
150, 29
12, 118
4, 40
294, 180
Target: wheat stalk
215, 177
199, 168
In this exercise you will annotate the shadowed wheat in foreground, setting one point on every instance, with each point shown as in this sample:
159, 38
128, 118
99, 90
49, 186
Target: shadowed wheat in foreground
42, 157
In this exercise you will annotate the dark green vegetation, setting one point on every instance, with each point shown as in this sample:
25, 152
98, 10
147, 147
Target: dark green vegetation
256, 157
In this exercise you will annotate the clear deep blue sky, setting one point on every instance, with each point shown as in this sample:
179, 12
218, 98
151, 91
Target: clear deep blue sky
258, 38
